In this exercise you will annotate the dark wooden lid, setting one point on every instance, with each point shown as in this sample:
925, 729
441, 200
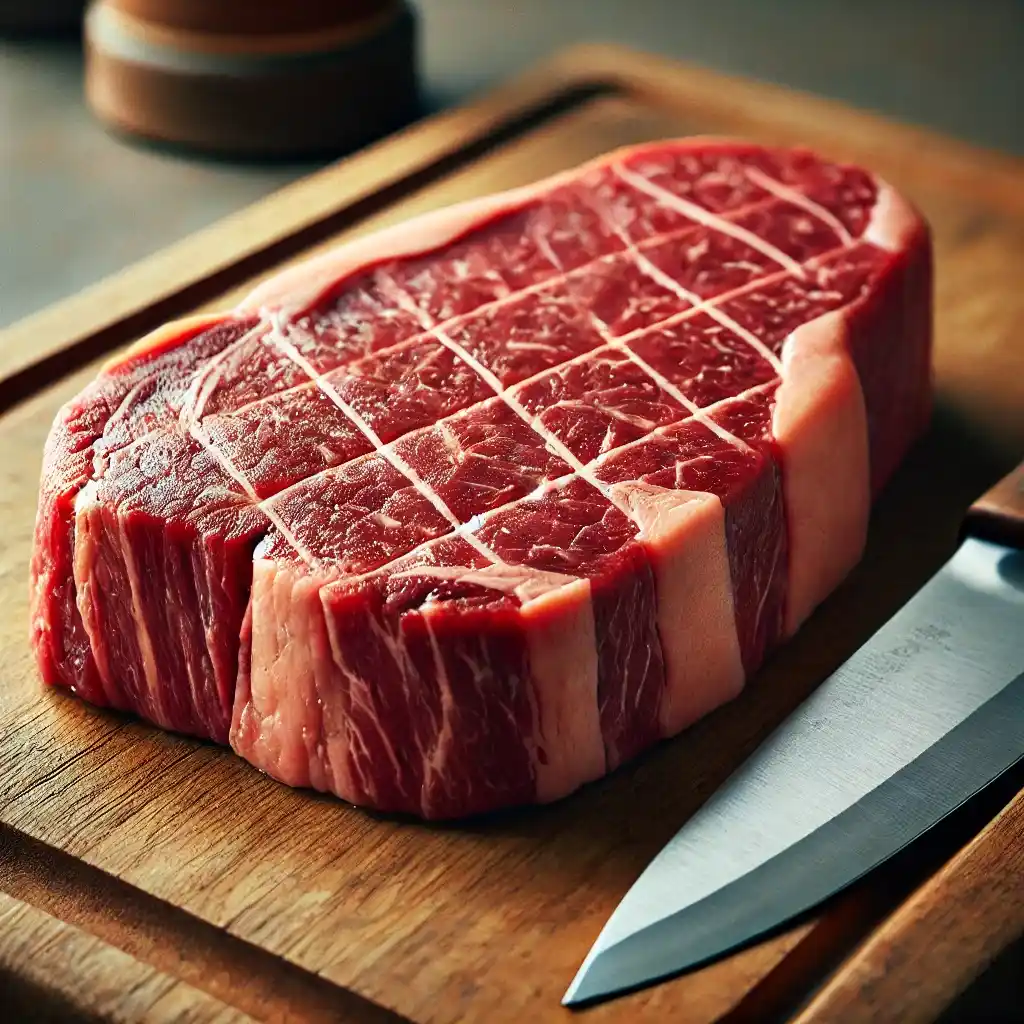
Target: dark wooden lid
263, 93
251, 17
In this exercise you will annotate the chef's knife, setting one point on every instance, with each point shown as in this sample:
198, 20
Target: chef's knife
922, 717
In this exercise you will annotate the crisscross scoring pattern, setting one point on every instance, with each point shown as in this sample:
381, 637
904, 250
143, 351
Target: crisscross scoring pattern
428, 538
695, 284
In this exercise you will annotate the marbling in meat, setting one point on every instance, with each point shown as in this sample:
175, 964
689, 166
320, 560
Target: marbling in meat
465, 514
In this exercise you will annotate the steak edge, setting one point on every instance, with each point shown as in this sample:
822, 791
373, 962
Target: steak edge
468, 512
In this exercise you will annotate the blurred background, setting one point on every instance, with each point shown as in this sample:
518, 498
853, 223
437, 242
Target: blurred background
77, 202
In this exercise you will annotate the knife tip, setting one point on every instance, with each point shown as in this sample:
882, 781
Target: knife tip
628, 965
591, 983
575, 993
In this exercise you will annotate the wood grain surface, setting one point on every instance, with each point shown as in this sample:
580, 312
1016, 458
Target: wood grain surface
943, 936
488, 920
171, 942
52, 971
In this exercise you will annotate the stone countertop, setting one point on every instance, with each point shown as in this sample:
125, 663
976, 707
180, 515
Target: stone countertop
77, 204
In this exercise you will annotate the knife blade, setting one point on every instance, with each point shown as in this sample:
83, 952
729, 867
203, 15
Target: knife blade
923, 716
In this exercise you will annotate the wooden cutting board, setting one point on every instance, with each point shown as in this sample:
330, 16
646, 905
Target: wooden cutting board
169, 867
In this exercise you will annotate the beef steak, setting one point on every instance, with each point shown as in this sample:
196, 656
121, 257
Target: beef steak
466, 513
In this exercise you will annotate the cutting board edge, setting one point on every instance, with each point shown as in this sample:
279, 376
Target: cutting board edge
169, 940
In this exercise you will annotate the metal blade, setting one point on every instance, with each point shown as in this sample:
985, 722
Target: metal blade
923, 716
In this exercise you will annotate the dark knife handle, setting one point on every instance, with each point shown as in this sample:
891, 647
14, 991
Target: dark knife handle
998, 516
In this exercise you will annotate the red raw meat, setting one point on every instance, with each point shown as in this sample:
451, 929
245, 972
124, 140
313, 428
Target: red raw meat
466, 513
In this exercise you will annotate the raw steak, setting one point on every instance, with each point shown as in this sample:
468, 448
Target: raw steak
471, 511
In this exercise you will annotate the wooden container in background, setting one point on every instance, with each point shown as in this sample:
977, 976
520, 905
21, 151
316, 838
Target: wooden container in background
253, 78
